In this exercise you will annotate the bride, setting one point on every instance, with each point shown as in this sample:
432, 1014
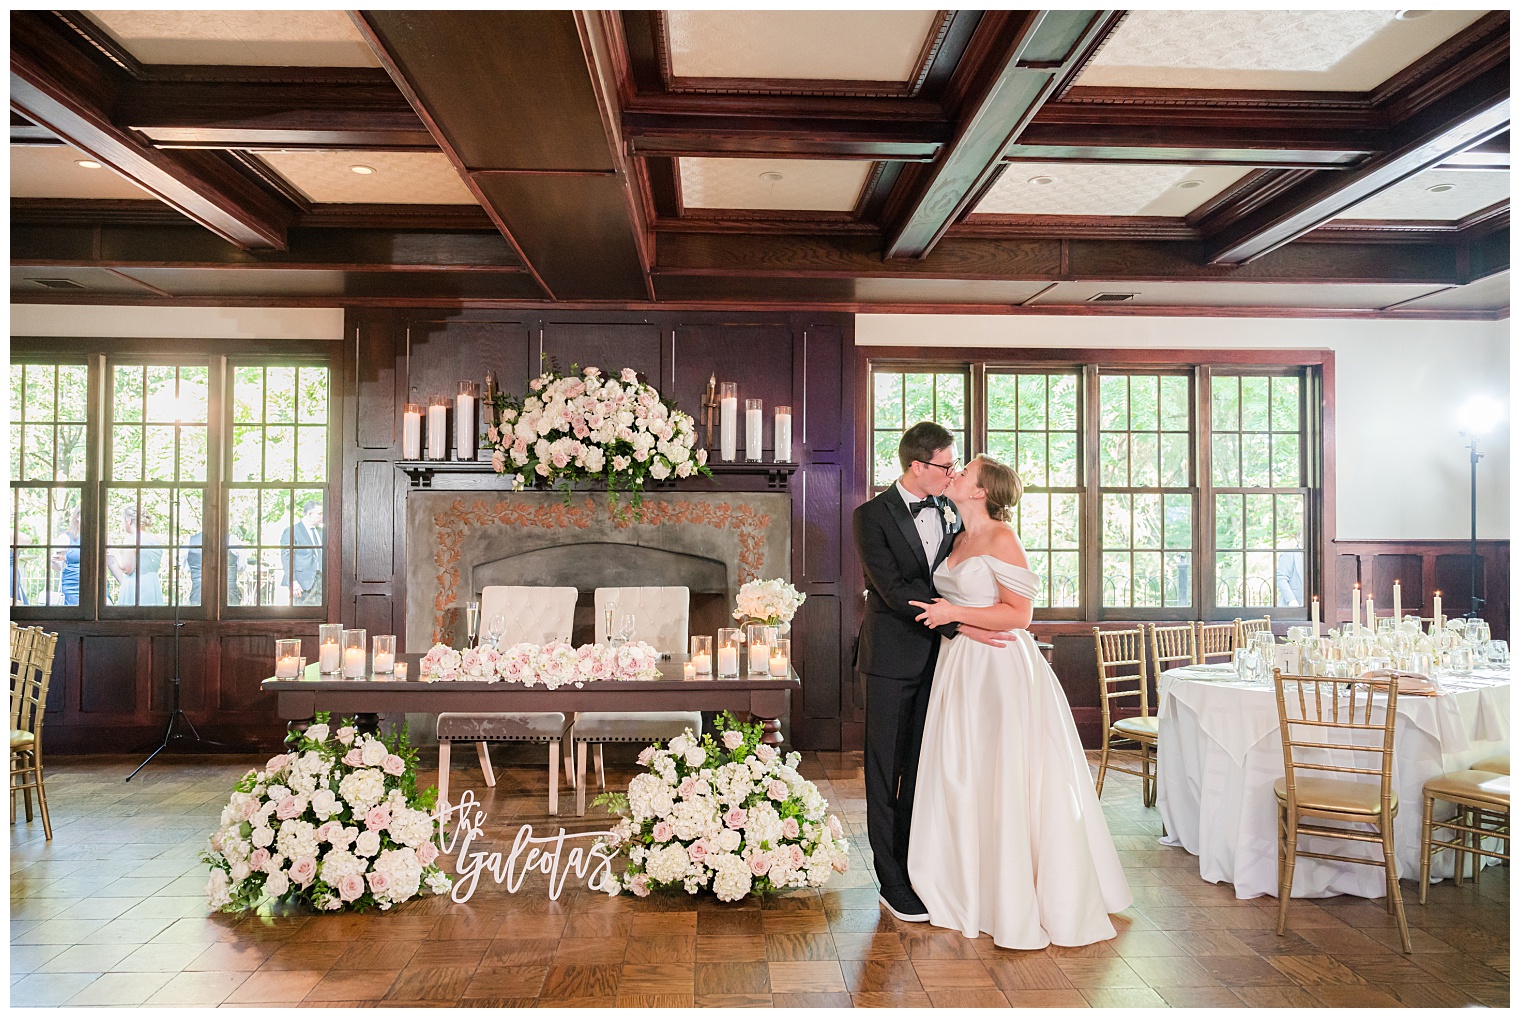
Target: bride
1007, 836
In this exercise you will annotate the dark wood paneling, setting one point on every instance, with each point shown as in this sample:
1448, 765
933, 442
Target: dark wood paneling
816, 633
822, 398
1429, 567
441, 353
192, 673
819, 527
377, 398
108, 678
610, 346
375, 614
757, 356
375, 488
1404, 568
246, 663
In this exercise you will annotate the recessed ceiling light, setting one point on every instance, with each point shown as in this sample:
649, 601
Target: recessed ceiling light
770, 175
1441, 188
1042, 180
1410, 15
361, 169
88, 164
1190, 184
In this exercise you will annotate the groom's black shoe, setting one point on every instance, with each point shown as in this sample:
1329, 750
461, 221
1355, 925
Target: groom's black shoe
904, 904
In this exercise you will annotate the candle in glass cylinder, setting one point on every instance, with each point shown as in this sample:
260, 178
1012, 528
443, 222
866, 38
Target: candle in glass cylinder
399, 670
783, 434
701, 654
753, 438
728, 653
329, 638
438, 428
689, 670
287, 658
385, 654
781, 658
354, 641
466, 424
728, 421
411, 432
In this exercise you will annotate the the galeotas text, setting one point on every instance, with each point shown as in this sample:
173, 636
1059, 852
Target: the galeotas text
547, 855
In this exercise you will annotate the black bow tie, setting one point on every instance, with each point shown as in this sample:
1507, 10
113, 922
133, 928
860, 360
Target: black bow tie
914, 508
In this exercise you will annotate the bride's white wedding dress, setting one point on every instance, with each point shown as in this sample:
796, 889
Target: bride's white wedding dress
1007, 837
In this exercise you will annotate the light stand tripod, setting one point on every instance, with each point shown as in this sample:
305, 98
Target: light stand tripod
175, 713
1475, 608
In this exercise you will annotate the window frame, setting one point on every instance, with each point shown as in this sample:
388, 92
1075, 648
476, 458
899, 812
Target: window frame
1315, 368
101, 354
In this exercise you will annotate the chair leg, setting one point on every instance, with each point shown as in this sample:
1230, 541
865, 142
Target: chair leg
483, 750
1461, 843
601, 770
1391, 863
26, 799
1148, 780
554, 778
570, 758
47, 825
1288, 848
1426, 818
443, 774
580, 779
1102, 765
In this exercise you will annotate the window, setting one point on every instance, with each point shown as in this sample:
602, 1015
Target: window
903, 398
48, 461
127, 467
275, 490
1188, 491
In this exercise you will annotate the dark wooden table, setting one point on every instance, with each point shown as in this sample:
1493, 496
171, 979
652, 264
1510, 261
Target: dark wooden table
764, 698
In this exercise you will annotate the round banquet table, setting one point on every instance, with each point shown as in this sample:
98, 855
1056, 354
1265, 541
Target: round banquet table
1219, 751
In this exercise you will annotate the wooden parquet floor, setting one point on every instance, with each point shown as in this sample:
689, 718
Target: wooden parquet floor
111, 912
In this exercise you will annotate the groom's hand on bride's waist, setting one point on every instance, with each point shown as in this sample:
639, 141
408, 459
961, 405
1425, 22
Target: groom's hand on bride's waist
987, 636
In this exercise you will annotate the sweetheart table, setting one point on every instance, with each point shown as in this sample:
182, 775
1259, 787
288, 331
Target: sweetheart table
1219, 750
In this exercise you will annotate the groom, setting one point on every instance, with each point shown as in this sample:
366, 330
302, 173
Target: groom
902, 535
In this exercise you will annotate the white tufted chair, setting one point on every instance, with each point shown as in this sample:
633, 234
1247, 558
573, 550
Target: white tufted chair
662, 616
533, 615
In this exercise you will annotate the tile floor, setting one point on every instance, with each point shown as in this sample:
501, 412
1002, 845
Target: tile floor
112, 912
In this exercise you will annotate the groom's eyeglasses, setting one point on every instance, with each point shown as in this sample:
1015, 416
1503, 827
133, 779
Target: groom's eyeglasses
951, 468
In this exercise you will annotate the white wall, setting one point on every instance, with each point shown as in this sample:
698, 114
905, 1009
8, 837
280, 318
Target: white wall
1401, 467
175, 323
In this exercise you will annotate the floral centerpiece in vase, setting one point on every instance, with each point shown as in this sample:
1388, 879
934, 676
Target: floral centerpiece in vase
591, 426
728, 813
769, 602
335, 823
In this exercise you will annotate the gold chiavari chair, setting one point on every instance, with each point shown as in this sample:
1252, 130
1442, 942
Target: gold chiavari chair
1215, 640
1121, 675
1482, 801
1496, 764
1332, 719
32, 660
1172, 647
1246, 629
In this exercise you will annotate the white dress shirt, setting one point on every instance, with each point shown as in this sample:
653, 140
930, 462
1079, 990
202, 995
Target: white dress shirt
930, 524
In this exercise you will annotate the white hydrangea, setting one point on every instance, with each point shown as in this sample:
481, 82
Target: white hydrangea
363, 788
731, 879
694, 818
401, 867
641, 792
297, 839
762, 829
667, 864
734, 784
339, 864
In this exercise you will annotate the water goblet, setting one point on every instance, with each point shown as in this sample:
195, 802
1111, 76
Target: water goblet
495, 628
1498, 654
628, 628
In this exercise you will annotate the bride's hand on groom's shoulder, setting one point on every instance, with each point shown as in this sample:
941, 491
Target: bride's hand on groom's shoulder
986, 636
935, 613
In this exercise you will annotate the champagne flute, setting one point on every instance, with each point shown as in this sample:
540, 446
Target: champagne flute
472, 621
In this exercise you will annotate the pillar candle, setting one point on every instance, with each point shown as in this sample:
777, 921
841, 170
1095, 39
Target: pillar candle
466, 425
689, 670
753, 436
783, 434
329, 657
438, 429
1371, 614
1314, 616
779, 665
353, 663
384, 663
728, 660
759, 659
287, 667
411, 432
728, 422
702, 663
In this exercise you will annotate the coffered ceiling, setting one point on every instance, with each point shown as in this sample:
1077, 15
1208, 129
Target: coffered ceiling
1232, 162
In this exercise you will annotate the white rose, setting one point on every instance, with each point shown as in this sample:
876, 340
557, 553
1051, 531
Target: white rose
317, 733
368, 843
374, 753
263, 837
277, 883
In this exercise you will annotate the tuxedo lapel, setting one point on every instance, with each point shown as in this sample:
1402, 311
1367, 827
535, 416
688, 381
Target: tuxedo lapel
952, 531
899, 512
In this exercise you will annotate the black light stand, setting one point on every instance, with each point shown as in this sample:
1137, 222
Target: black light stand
175, 713
1475, 608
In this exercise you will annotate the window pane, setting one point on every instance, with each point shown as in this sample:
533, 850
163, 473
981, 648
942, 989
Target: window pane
1286, 415
1229, 521
901, 399
1002, 406
1143, 406
126, 453
918, 399
1226, 461
163, 395
43, 560
1063, 402
1176, 403
1032, 459
158, 452
311, 388
247, 395
280, 395
1144, 455
1116, 580
886, 468
1285, 468
1063, 459
1254, 403
1003, 447
279, 454
1255, 461
1032, 393
1114, 460
1230, 578
1174, 460
73, 392
127, 393
1113, 402
38, 452
1226, 403
311, 454
18, 391
72, 453
1179, 521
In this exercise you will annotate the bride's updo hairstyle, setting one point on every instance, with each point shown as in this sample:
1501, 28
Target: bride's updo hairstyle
1002, 485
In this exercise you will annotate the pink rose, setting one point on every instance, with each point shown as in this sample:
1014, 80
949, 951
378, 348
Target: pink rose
354, 758
276, 762
777, 790
250, 807
640, 885
628, 375
733, 740
346, 734
303, 870
735, 818
216, 842
840, 862
663, 831
427, 853
697, 850
645, 755
798, 858
393, 765
379, 818
259, 859
765, 753
289, 807
687, 785
498, 461
351, 887
492, 435
379, 883
760, 864
790, 828
835, 827
329, 831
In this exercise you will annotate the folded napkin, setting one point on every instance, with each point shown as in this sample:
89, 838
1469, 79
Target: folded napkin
1221, 666
1410, 683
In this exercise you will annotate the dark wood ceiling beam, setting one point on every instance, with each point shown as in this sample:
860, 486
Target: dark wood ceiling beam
652, 134
1014, 63
1476, 112
1307, 145
57, 86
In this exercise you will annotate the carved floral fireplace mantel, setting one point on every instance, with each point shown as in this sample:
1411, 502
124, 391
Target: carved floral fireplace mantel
455, 538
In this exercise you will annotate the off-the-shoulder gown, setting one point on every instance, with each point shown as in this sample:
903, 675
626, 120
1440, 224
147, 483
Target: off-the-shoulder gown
1007, 837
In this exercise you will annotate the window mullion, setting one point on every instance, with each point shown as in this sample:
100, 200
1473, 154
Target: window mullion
1205, 582
1091, 539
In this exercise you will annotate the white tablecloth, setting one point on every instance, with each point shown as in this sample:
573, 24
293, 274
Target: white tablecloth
1219, 751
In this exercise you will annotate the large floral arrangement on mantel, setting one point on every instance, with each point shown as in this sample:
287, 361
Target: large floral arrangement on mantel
770, 602
731, 814
550, 665
593, 426
337, 823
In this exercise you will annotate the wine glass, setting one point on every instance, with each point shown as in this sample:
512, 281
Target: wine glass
495, 628
628, 628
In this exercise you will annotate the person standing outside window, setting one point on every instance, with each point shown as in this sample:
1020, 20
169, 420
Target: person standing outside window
301, 555
67, 561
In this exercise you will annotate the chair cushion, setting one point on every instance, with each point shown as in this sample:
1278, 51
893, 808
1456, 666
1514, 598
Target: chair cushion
1336, 795
599, 726
1471, 786
541, 727
20, 739
1497, 764
1136, 728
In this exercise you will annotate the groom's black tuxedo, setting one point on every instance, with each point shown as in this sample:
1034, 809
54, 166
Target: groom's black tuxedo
895, 654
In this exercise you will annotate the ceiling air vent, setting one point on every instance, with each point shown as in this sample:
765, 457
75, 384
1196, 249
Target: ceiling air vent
58, 284
1110, 298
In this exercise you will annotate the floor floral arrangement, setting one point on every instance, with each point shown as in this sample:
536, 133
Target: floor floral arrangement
730, 814
337, 823
550, 665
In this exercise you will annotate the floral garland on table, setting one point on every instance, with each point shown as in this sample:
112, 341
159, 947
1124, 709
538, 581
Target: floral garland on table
731, 814
550, 665
587, 426
335, 823
772, 602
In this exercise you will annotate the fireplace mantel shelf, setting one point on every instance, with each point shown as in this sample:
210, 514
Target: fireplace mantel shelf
422, 472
